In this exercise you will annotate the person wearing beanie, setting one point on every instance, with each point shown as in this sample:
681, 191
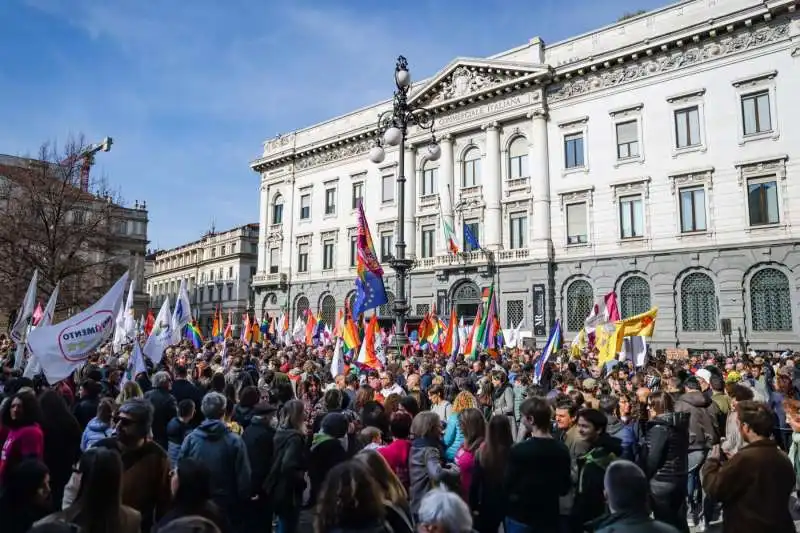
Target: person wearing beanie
328, 449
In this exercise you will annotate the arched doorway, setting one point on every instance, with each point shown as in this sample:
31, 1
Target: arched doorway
466, 297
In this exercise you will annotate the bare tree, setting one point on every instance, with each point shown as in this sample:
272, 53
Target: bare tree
47, 222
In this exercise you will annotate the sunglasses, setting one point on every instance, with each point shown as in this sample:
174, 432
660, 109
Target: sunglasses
123, 421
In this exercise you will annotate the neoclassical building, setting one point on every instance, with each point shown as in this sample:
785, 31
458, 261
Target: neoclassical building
218, 270
656, 157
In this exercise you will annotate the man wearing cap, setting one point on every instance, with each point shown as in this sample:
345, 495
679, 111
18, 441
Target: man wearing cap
258, 439
145, 479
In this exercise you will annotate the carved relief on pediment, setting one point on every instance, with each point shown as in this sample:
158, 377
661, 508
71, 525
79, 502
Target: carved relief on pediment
465, 81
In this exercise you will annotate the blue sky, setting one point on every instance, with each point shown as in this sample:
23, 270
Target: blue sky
190, 89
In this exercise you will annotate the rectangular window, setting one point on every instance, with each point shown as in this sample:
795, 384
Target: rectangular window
358, 194
214, 252
302, 258
573, 150
230, 292
353, 250
305, 206
474, 227
230, 272
428, 233
687, 127
330, 201
277, 214
762, 197
429, 178
756, 115
202, 295
327, 255
518, 230
518, 159
627, 139
211, 275
576, 223
472, 172
631, 218
274, 260
233, 246
693, 209
387, 188
254, 248
386, 246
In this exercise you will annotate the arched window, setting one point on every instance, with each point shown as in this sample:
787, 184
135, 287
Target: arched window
301, 306
518, 159
472, 168
386, 309
351, 300
430, 175
698, 303
634, 296
327, 310
277, 209
580, 299
770, 301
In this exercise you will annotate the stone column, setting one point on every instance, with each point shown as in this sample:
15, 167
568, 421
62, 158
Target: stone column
263, 226
410, 213
540, 186
492, 181
446, 190
288, 248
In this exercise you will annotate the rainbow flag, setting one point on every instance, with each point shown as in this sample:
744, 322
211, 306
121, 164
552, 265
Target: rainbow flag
370, 290
194, 335
216, 327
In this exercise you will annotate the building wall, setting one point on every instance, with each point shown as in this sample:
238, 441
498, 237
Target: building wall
640, 71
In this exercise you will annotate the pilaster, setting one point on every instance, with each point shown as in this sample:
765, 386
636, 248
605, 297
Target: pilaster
492, 188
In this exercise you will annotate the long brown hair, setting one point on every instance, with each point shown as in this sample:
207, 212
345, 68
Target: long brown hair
350, 499
98, 507
494, 452
473, 426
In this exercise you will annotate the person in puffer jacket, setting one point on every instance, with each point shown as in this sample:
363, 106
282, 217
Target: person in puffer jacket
178, 428
616, 428
98, 427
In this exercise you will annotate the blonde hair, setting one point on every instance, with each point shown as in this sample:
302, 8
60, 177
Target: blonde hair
384, 476
464, 400
425, 424
129, 391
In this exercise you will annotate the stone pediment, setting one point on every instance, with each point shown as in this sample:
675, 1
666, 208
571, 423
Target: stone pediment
467, 78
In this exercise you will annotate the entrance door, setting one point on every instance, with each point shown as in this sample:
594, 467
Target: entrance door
467, 298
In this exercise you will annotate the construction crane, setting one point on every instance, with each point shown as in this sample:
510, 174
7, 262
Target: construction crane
87, 159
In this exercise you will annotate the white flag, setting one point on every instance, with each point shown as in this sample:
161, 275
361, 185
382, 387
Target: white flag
33, 367
182, 313
136, 365
125, 327
299, 331
161, 335
634, 349
63, 347
337, 363
20, 328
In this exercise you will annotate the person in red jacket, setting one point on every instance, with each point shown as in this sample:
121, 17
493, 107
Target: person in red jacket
396, 453
24, 438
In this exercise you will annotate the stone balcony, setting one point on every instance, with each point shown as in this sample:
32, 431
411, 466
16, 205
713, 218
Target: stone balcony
473, 258
270, 279
469, 193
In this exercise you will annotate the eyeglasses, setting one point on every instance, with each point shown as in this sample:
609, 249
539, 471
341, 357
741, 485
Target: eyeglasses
123, 421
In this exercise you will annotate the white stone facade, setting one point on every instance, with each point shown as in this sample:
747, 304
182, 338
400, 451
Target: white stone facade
218, 270
655, 157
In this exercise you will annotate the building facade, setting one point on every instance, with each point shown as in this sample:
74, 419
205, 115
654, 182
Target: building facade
655, 157
218, 270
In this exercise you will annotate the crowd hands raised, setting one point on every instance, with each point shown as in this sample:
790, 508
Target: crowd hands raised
258, 437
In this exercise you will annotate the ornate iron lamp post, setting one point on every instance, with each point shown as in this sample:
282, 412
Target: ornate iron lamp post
393, 125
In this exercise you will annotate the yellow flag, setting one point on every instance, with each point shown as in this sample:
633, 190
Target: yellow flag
608, 338
639, 325
605, 340
578, 345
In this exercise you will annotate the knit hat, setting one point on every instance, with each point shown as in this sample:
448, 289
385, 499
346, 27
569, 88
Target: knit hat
703, 374
335, 425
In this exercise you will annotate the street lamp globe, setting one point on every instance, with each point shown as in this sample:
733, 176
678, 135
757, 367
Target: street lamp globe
393, 136
434, 152
377, 155
403, 78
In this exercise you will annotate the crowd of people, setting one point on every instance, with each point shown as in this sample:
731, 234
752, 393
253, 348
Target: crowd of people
254, 437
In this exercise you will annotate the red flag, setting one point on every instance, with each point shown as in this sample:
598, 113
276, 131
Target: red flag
149, 322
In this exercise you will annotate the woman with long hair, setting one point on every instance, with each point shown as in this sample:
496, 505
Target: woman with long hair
20, 419
394, 494
129, 391
286, 480
191, 495
25, 496
98, 507
666, 460
453, 436
62, 440
486, 495
426, 465
364, 395
350, 501
473, 426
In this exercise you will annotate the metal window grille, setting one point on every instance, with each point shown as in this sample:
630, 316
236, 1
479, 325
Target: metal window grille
301, 306
579, 304
515, 310
770, 301
634, 296
422, 309
386, 309
327, 310
698, 303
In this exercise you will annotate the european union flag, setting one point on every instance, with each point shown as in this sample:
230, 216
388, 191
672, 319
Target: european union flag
370, 293
470, 238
